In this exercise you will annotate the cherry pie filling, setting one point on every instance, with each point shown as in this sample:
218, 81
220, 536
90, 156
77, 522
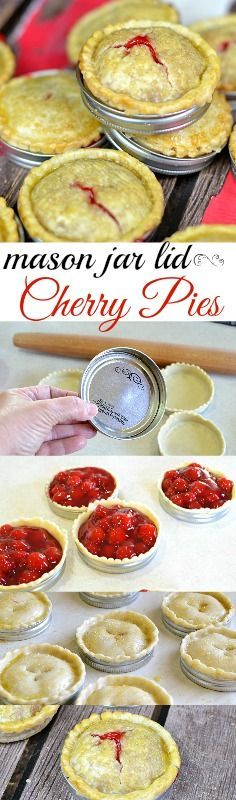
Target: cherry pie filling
112, 736
80, 486
194, 486
117, 532
26, 553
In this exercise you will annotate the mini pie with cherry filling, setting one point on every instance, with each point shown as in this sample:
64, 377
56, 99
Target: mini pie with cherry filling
148, 67
194, 486
30, 551
114, 12
220, 33
122, 755
206, 233
74, 489
8, 225
44, 673
119, 637
91, 196
45, 114
116, 530
212, 652
21, 722
196, 610
7, 62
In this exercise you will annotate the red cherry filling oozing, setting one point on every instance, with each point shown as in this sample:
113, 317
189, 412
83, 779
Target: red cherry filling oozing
92, 201
112, 736
79, 487
117, 532
26, 554
143, 40
194, 486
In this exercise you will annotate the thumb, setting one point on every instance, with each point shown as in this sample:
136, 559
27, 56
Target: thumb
66, 409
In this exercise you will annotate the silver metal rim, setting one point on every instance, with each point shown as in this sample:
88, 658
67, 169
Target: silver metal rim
118, 602
165, 165
113, 568
26, 633
193, 516
206, 681
139, 123
115, 669
175, 629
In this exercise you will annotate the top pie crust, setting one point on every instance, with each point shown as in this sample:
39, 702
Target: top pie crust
111, 13
149, 758
175, 70
220, 33
85, 196
8, 225
7, 63
124, 690
42, 673
197, 609
21, 610
206, 233
19, 722
44, 113
211, 651
117, 637
209, 134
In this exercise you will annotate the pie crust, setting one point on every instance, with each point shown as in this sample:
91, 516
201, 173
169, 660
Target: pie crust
57, 533
44, 113
69, 379
22, 611
119, 637
206, 233
209, 134
174, 71
111, 13
188, 388
124, 690
8, 225
53, 207
232, 145
149, 758
197, 610
95, 560
43, 673
211, 651
21, 722
220, 33
73, 511
190, 434
7, 63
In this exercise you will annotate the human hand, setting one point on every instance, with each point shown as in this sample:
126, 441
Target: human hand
44, 421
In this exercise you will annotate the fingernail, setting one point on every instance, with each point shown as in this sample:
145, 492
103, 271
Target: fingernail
92, 409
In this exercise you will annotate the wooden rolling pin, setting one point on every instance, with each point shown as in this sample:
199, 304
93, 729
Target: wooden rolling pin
162, 353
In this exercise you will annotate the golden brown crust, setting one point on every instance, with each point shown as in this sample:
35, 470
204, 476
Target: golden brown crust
7, 63
111, 13
199, 95
218, 31
17, 722
232, 144
209, 134
8, 225
206, 233
152, 188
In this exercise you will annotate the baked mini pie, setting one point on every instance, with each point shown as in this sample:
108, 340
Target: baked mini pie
118, 754
211, 652
34, 552
23, 613
44, 673
124, 690
118, 638
116, 533
150, 68
70, 491
190, 611
220, 33
194, 486
9, 231
85, 197
7, 62
111, 13
206, 233
209, 134
21, 722
44, 113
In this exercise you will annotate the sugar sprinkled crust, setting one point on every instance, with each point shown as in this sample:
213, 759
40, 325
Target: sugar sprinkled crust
20, 722
117, 637
211, 651
45, 673
124, 690
21, 610
197, 609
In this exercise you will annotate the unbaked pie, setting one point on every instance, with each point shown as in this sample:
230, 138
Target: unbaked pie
22, 613
209, 134
85, 196
220, 33
111, 13
194, 486
108, 599
150, 68
206, 233
21, 722
33, 552
8, 224
195, 610
44, 113
71, 491
7, 62
44, 673
211, 652
122, 755
124, 690
117, 638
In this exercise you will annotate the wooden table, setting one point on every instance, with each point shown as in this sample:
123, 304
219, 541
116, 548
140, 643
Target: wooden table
30, 770
186, 198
